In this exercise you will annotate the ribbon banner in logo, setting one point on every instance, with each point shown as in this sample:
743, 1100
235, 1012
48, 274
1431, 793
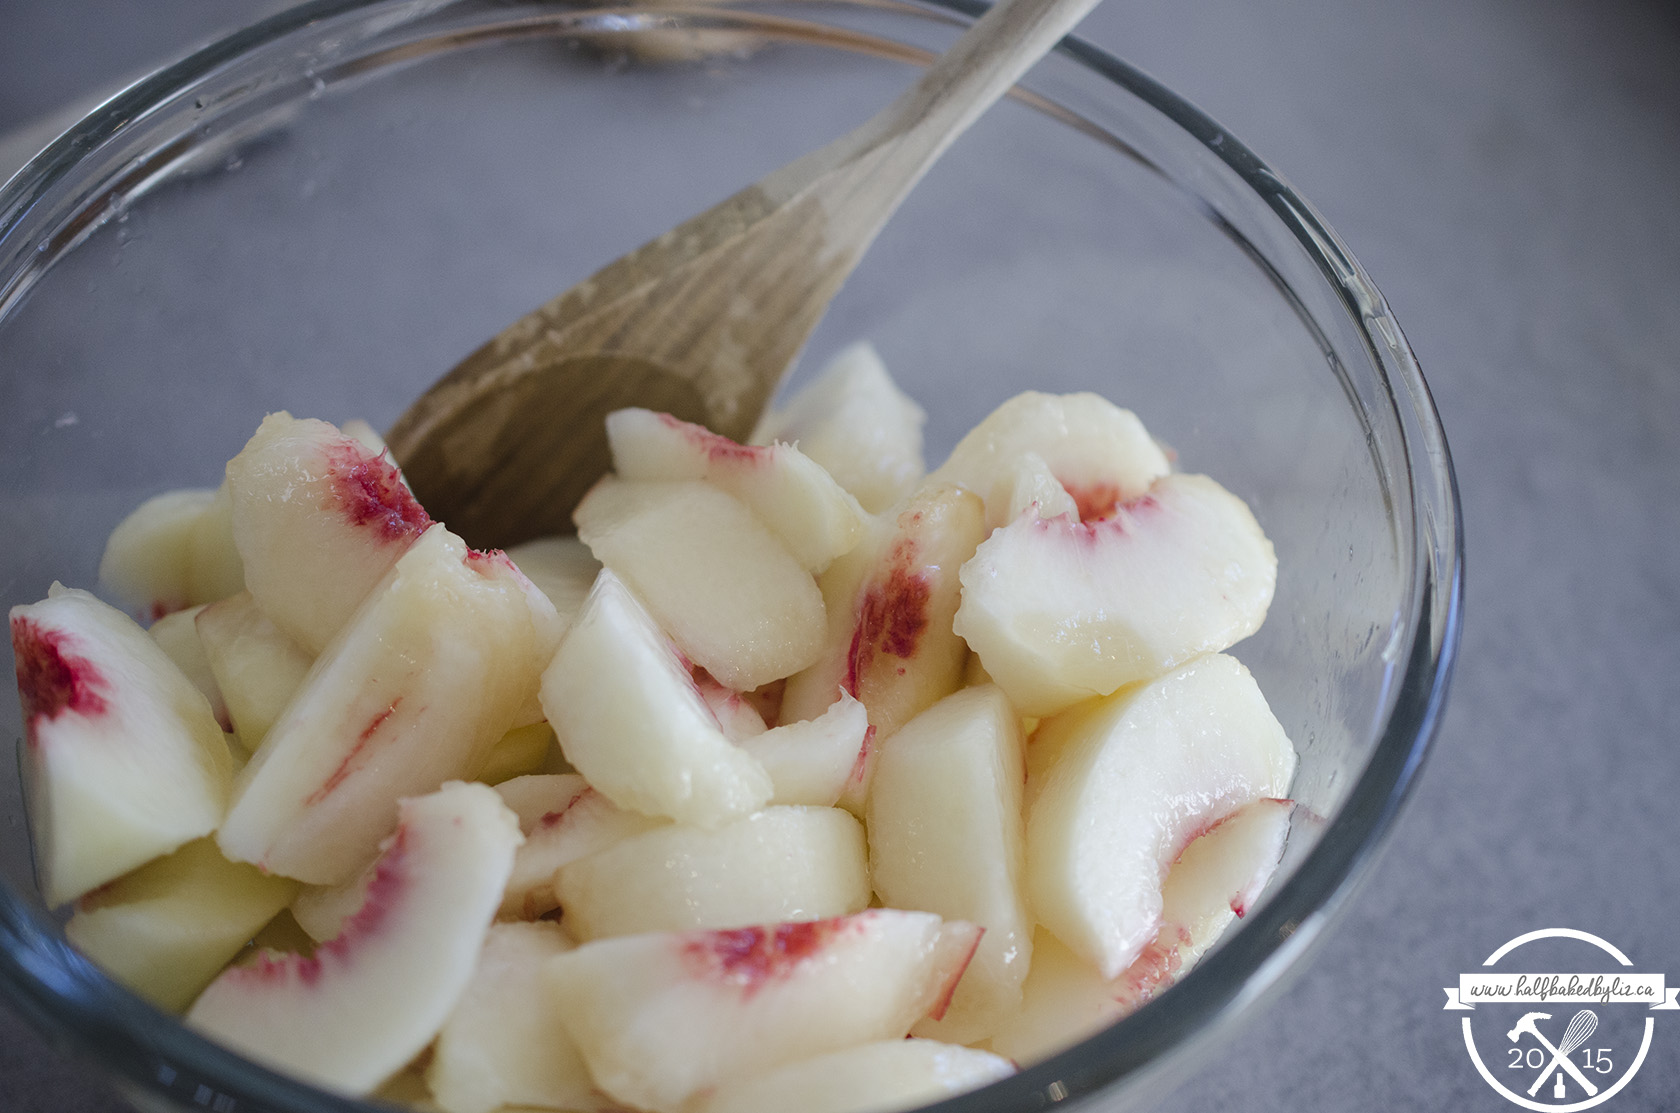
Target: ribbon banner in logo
1605, 989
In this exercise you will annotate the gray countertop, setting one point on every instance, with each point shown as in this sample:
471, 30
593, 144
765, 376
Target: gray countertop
1509, 173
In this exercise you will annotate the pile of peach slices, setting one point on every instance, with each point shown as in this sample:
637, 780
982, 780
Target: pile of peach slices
794, 752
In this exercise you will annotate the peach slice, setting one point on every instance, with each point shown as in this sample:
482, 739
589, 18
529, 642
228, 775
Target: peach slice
736, 716
661, 1017
1222, 873
891, 599
630, 719
780, 864
879, 1077
282, 933
414, 692
364, 1004
1118, 787
563, 819
146, 563
1061, 610
169, 927
1064, 1000
173, 551
504, 1044
813, 760
122, 757
319, 520
1099, 453
1218, 876
323, 910
363, 434
945, 836
257, 668
540, 796
177, 635
563, 569
215, 568
1037, 489
541, 802
815, 517
854, 421
522, 751
717, 580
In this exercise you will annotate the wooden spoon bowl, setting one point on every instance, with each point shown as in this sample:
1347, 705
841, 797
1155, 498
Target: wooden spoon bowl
703, 321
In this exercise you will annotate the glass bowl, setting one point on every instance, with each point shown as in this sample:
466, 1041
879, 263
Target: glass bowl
324, 212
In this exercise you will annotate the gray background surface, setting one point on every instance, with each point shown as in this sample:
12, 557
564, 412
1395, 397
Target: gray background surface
1509, 173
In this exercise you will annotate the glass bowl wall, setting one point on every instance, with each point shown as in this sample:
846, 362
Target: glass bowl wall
325, 212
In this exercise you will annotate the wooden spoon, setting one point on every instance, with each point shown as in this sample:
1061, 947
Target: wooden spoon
701, 322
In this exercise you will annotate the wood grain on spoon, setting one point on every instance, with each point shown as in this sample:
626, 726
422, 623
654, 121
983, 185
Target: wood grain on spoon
701, 322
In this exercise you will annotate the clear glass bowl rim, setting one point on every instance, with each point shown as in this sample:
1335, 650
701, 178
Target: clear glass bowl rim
83, 1012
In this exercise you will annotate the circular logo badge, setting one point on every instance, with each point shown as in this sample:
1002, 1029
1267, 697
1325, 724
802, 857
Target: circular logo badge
1559, 1041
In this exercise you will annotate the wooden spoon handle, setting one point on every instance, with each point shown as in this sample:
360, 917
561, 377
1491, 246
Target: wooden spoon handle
984, 64
925, 119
